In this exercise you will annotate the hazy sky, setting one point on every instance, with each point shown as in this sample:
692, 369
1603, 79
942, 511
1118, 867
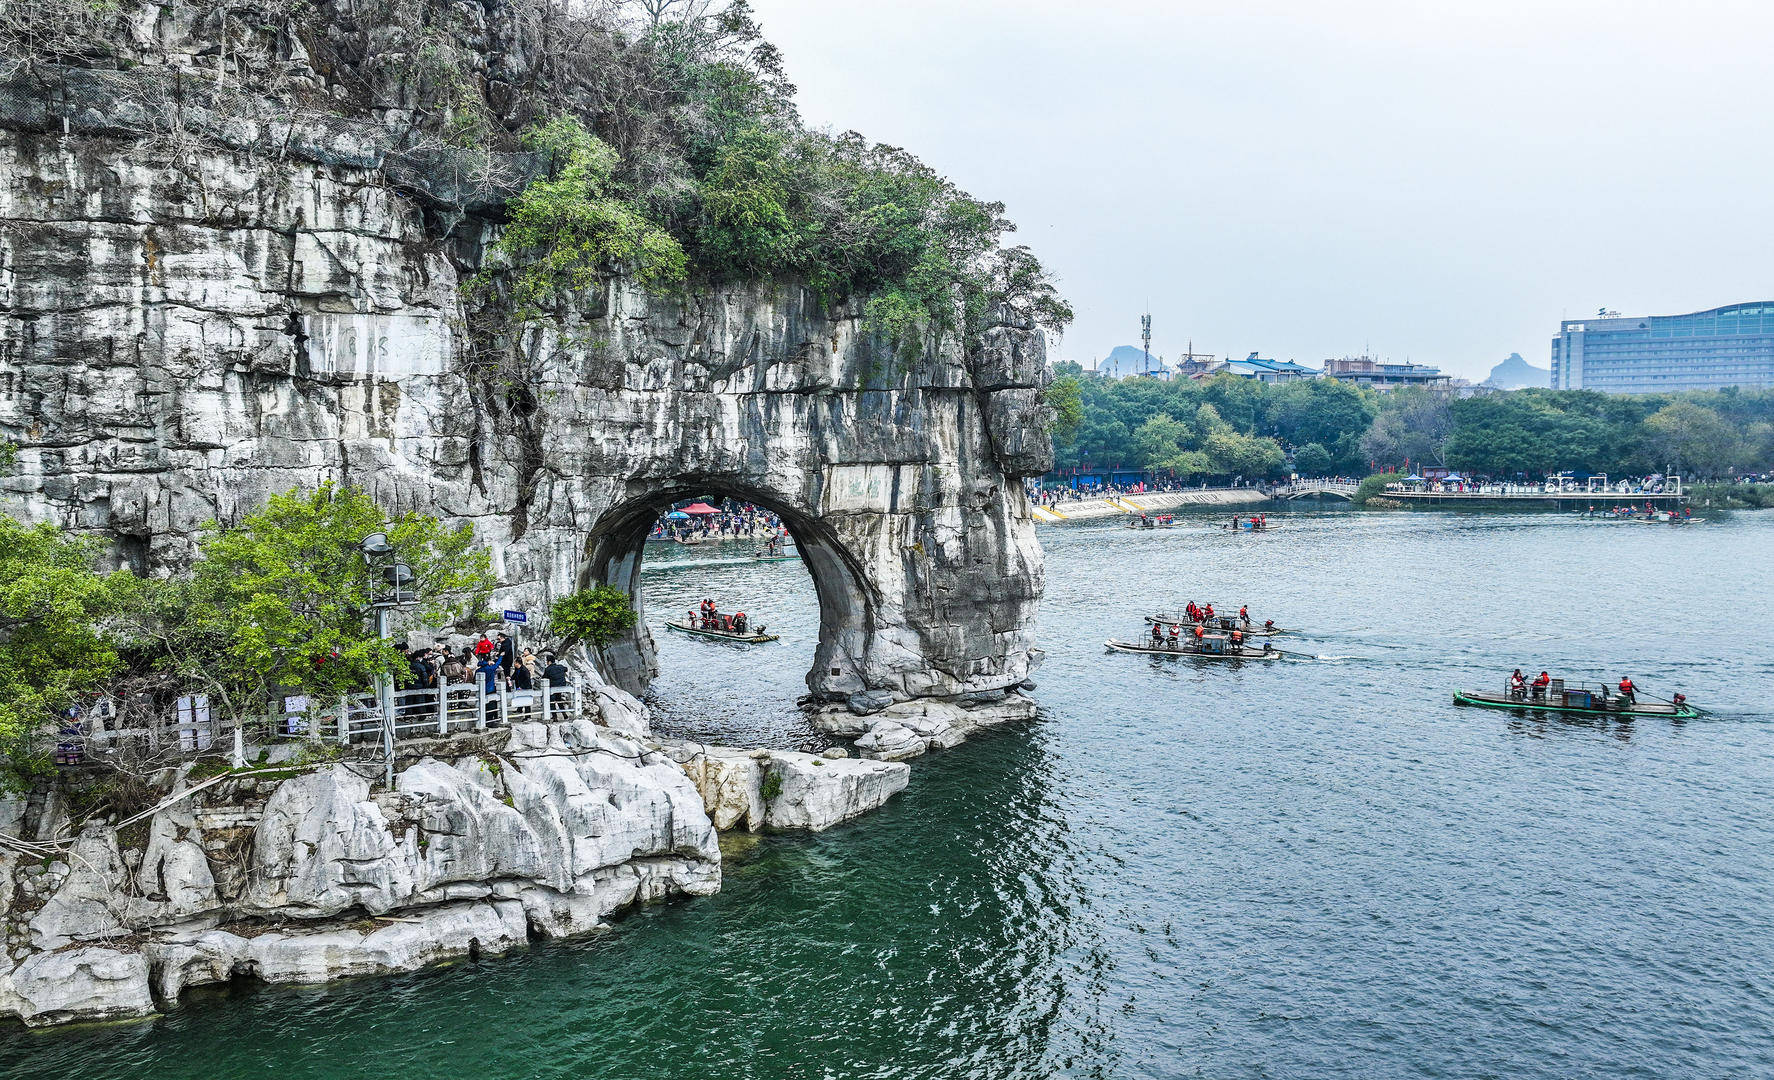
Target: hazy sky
1308, 178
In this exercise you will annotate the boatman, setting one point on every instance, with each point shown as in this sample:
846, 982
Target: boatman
1517, 685
739, 622
1238, 639
1626, 690
1244, 615
1157, 634
1174, 628
1197, 635
1541, 683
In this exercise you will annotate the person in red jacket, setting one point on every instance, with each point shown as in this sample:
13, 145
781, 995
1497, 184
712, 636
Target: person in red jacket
1627, 690
1541, 682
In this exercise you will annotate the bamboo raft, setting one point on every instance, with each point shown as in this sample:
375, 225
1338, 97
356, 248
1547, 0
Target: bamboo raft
1214, 648
1577, 701
1225, 623
721, 635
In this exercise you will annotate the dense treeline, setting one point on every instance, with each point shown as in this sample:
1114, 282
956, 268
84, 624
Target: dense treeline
1228, 426
1216, 429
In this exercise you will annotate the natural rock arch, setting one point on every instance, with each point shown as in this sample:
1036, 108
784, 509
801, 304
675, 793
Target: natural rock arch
332, 345
617, 546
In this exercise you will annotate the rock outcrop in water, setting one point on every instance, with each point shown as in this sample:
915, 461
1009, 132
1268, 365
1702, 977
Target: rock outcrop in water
305, 874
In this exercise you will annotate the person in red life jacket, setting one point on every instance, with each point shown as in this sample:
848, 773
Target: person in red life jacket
1244, 615
1626, 690
1174, 630
739, 622
1198, 635
1541, 682
1157, 634
1269, 625
1208, 614
1192, 609
1238, 639
1517, 685
1680, 700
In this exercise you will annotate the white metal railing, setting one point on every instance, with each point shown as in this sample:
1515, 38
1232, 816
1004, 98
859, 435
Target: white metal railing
426, 712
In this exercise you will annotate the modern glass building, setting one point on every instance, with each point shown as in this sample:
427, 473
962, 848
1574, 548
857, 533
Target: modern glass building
1707, 350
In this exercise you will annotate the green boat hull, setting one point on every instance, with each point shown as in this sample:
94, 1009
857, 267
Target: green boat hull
1677, 712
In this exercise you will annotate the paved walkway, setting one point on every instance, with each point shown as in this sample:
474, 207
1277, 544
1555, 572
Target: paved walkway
1112, 505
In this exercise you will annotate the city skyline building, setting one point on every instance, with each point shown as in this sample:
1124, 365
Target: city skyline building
1647, 354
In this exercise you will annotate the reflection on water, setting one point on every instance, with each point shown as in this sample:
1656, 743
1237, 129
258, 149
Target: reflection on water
1313, 869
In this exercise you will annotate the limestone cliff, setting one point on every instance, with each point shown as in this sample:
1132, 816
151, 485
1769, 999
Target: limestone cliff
198, 311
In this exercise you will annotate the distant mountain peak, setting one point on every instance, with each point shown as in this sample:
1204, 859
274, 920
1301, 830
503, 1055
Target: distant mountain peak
1514, 373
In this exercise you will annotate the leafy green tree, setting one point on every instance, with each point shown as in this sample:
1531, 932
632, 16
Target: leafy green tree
570, 229
1233, 455
1412, 425
55, 641
1065, 398
1158, 440
284, 602
600, 615
1312, 460
1693, 440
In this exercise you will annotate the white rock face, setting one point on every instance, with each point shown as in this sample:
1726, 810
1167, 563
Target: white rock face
91, 983
91, 902
818, 793
572, 824
403, 943
323, 847
810, 791
907, 729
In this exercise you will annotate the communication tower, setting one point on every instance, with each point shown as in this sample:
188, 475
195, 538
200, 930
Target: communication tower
1146, 340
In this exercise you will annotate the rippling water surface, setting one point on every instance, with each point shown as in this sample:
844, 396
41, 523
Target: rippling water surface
1310, 868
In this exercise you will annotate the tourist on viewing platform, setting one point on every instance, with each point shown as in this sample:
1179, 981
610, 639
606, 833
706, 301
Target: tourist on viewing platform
507, 653
556, 672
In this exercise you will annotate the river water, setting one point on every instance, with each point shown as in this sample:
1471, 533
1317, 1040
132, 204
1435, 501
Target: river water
1315, 867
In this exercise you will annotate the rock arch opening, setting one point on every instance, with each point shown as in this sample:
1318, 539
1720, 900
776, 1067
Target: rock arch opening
847, 601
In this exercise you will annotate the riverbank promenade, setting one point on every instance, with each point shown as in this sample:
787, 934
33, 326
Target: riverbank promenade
1527, 498
1151, 502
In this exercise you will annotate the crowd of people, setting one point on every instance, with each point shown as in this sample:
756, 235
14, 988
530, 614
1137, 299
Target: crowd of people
1057, 495
1200, 618
497, 663
731, 521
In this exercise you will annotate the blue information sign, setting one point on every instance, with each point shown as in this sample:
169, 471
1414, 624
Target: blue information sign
516, 616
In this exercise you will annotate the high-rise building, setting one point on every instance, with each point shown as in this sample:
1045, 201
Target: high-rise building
1707, 350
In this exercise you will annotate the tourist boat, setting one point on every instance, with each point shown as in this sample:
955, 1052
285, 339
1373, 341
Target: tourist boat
1227, 623
1245, 526
1576, 701
748, 638
1208, 648
1153, 523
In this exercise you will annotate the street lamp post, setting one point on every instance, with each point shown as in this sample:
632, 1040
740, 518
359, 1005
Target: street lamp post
379, 553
